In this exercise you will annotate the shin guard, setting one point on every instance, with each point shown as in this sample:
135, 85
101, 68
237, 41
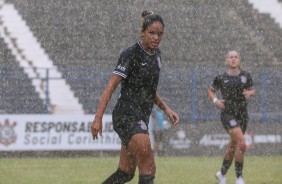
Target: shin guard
146, 179
119, 177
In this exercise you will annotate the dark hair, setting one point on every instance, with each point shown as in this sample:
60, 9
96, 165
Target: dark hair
149, 17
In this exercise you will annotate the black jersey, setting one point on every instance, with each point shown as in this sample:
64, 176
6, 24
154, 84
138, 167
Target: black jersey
140, 72
231, 88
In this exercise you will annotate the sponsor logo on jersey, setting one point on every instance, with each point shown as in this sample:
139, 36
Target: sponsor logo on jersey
225, 81
142, 125
243, 79
7, 133
122, 68
232, 122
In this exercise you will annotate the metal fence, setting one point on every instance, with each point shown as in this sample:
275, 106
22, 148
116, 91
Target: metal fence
184, 89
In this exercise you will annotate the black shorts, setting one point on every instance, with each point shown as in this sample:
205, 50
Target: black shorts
233, 120
128, 120
126, 123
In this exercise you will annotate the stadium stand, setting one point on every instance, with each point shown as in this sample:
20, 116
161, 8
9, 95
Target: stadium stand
85, 39
17, 94
268, 32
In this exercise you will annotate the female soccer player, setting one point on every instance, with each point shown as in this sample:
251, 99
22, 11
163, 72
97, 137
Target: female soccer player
138, 72
236, 86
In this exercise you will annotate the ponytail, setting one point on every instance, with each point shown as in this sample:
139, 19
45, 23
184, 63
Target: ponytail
148, 18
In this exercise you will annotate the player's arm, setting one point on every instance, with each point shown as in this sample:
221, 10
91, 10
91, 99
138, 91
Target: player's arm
211, 93
212, 96
249, 92
173, 116
104, 100
249, 87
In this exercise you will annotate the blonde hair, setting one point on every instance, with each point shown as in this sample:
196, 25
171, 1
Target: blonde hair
227, 55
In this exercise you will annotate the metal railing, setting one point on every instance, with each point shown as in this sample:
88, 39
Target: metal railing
185, 89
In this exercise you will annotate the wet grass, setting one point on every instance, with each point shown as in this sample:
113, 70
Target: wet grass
170, 170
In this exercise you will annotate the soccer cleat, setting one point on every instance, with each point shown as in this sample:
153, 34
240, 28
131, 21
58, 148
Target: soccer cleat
240, 180
221, 179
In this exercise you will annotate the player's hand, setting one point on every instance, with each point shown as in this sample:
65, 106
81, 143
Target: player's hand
247, 94
219, 104
173, 117
96, 128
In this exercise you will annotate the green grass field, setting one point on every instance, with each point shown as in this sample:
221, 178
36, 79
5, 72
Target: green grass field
170, 170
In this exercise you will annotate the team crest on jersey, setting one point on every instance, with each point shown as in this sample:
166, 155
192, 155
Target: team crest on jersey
142, 125
232, 122
243, 79
159, 62
7, 133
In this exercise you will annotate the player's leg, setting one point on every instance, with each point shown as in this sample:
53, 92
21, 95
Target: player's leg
140, 146
230, 150
228, 156
227, 161
238, 135
126, 168
127, 163
241, 148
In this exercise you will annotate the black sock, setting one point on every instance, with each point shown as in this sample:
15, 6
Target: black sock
238, 169
119, 177
146, 179
225, 166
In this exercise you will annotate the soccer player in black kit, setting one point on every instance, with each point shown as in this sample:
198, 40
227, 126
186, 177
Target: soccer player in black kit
236, 86
138, 72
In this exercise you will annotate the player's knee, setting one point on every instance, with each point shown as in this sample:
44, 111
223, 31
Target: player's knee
153, 167
147, 166
146, 179
242, 147
150, 166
